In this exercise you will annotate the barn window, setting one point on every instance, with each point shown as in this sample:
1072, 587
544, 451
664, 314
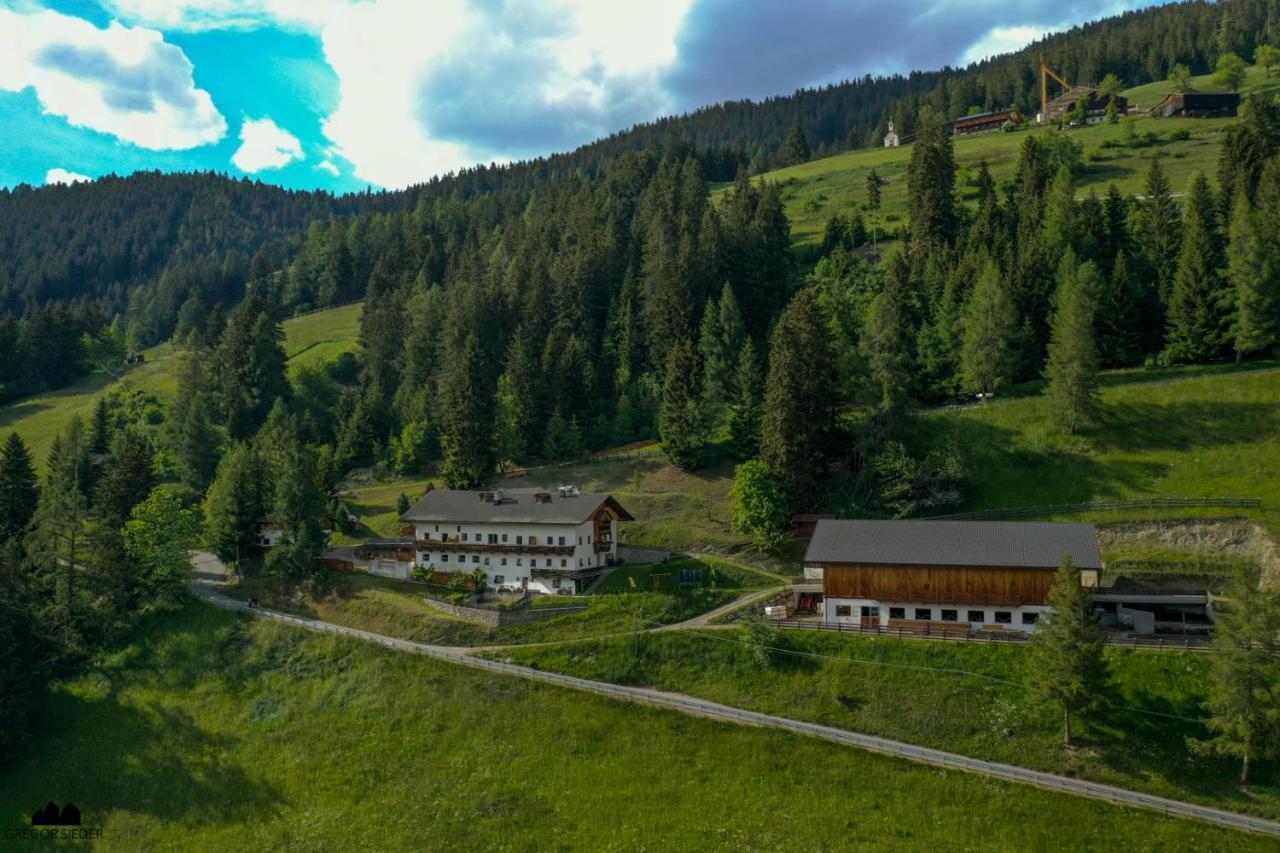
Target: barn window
977, 616
950, 616
444, 558
897, 613
503, 561
1003, 617
493, 539
504, 539
924, 614
519, 540
844, 609
1030, 618
564, 564
464, 537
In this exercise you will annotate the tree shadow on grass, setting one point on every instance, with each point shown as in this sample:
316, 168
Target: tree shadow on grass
1184, 425
1154, 745
1002, 474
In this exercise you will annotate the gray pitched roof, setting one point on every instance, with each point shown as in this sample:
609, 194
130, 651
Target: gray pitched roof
517, 507
1020, 544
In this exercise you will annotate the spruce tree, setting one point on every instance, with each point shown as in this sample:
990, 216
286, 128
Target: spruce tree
796, 147
1118, 318
1072, 368
1250, 275
101, 427
990, 322
720, 338
1159, 234
800, 401
234, 505
1060, 228
748, 386
18, 495
128, 477
1068, 666
931, 176
1200, 303
466, 418
884, 350
681, 420
1244, 688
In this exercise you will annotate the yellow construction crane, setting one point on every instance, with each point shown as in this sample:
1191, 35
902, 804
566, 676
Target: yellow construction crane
1045, 73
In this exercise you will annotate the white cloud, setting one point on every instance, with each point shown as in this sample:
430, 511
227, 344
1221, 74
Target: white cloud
125, 81
265, 145
565, 71
200, 15
329, 166
1004, 40
62, 176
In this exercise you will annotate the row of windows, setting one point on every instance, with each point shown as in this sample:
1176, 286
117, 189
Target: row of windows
499, 580
502, 561
501, 538
925, 614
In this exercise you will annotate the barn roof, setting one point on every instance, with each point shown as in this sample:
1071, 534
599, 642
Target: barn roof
1012, 544
517, 506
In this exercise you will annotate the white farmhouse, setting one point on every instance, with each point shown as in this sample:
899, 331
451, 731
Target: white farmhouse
542, 540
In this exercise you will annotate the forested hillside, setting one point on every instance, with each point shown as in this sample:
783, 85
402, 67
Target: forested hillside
143, 246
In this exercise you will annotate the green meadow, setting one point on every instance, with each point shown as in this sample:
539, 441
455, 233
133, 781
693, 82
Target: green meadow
962, 697
213, 731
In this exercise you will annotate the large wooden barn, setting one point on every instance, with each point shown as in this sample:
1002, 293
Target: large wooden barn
963, 575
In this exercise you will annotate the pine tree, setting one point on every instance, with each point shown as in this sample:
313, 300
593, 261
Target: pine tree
1060, 228
796, 148
1068, 666
1118, 319
800, 401
681, 421
720, 338
989, 326
1072, 368
1244, 690
234, 505
748, 386
466, 418
873, 204
58, 537
18, 495
1159, 233
931, 176
1249, 274
101, 427
883, 346
563, 442
128, 477
1200, 304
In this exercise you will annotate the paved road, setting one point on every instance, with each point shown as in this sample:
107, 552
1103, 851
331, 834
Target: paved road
714, 710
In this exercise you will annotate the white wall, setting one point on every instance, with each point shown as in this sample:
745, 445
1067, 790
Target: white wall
856, 605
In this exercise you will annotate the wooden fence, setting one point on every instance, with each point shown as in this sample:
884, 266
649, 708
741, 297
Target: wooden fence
926, 632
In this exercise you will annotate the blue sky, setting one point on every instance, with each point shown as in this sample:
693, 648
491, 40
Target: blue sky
344, 94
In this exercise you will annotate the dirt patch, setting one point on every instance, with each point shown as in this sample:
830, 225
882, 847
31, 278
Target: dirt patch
1241, 538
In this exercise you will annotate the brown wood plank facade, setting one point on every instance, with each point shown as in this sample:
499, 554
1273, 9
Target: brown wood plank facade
940, 584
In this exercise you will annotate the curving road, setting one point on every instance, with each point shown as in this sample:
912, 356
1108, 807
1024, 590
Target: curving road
207, 589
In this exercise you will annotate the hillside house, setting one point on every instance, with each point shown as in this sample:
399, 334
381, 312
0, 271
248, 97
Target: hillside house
543, 540
962, 575
1095, 105
986, 122
1193, 104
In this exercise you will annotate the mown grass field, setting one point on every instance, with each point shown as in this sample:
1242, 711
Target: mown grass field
212, 731
312, 339
397, 608
817, 190
893, 688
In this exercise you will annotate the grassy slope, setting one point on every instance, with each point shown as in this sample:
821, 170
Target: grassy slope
308, 340
397, 608
964, 714
1216, 436
816, 190
213, 732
